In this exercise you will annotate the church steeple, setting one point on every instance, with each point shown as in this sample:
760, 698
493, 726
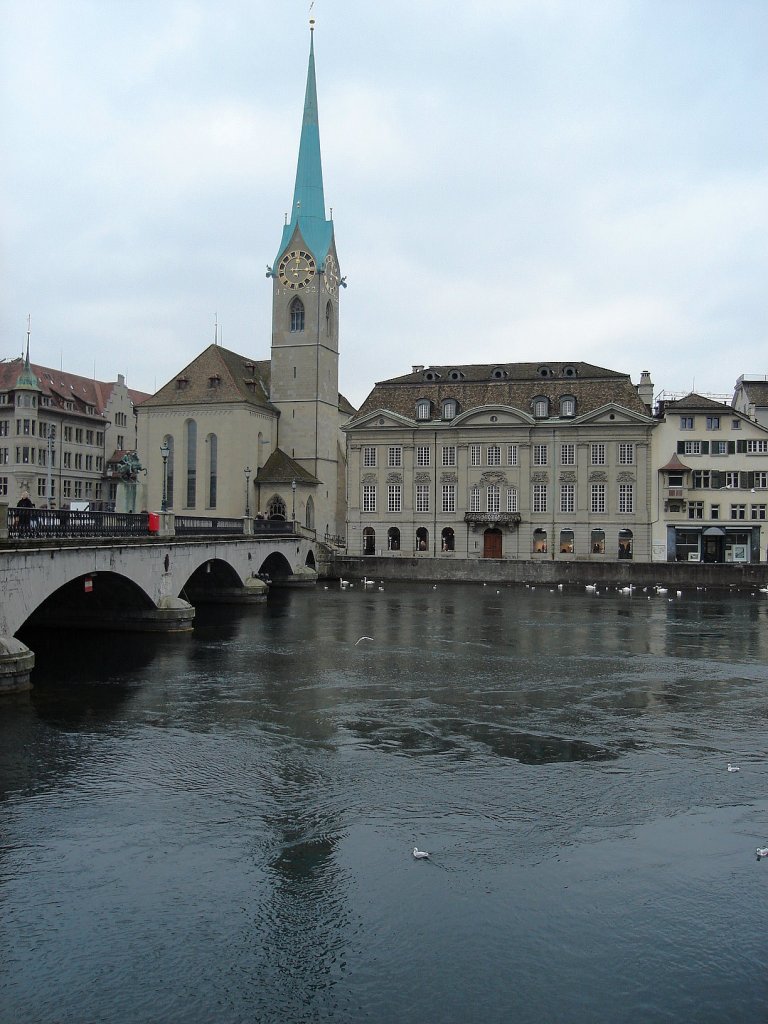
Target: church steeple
308, 210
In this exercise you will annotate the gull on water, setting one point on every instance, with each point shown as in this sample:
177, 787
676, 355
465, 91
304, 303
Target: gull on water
422, 854
367, 638
761, 851
733, 767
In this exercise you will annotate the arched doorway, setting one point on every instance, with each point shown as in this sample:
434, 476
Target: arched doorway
393, 539
492, 543
276, 508
369, 541
539, 542
566, 542
422, 539
448, 539
309, 518
625, 543
597, 542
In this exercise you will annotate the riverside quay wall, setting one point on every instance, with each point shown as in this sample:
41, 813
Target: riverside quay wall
675, 575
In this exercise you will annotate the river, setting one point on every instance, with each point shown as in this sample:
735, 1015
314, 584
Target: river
219, 827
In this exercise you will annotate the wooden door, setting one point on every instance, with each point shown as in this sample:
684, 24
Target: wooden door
492, 544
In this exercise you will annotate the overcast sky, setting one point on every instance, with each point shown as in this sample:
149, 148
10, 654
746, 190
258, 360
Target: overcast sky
510, 180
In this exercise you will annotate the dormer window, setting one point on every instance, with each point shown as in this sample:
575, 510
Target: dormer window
423, 409
569, 371
455, 375
214, 381
567, 406
544, 371
541, 407
450, 408
182, 383
431, 375
499, 373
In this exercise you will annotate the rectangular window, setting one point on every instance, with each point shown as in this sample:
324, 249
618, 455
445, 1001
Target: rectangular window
89, 462
626, 454
735, 424
686, 422
539, 455
475, 454
423, 455
78, 435
695, 509
67, 488
100, 437
449, 498
3, 486
449, 454
626, 497
761, 479
493, 455
78, 460
597, 498
539, 498
757, 511
41, 493
493, 495
702, 478
511, 454
718, 447
567, 497
757, 447
67, 433
568, 454
692, 447
121, 443
713, 422
78, 489
714, 511
369, 455
369, 497
738, 511
394, 498
474, 499
4, 430
89, 437
597, 454
731, 478
395, 455
5, 456
512, 502
422, 497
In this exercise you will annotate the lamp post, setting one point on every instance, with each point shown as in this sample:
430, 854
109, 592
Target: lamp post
293, 500
247, 472
165, 451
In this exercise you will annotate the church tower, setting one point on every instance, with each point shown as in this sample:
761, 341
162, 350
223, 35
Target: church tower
305, 326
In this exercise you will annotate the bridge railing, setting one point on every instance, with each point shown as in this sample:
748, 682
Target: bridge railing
41, 523
195, 526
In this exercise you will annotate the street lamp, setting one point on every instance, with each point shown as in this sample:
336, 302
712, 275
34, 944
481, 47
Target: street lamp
293, 500
247, 472
165, 451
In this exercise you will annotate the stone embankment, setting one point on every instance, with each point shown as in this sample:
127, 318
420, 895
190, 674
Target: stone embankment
677, 575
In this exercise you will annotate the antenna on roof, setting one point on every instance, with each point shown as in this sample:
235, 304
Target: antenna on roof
216, 328
29, 331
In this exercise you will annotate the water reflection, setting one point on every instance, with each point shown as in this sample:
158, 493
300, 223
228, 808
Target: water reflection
218, 826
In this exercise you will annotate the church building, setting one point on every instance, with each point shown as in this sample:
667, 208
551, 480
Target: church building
232, 435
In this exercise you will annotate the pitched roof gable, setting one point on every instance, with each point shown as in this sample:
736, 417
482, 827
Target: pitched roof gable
217, 376
282, 469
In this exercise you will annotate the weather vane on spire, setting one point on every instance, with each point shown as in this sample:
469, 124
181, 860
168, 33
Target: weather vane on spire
311, 19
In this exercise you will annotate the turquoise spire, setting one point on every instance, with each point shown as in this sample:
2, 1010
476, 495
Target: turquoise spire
308, 211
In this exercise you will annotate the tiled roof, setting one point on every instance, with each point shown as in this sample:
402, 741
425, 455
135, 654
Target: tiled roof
62, 386
214, 377
674, 465
282, 469
507, 384
756, 392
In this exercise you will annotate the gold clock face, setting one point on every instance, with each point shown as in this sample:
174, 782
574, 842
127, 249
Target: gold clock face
331, 275
297, 268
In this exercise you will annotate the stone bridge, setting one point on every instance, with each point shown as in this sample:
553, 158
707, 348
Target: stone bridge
140, 584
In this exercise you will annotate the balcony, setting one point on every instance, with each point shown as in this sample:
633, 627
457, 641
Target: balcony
485, 519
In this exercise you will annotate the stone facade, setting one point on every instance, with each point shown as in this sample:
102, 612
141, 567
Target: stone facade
546, 461
710, 483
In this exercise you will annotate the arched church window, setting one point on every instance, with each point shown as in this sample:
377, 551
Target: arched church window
309, 520
297, 315
168, 440
213, 468
276, 508
191, 432
328, 319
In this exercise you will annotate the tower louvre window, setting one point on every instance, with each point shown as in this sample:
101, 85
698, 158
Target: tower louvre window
297, 316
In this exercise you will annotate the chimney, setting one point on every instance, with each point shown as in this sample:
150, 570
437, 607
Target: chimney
417, 369
645, 389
